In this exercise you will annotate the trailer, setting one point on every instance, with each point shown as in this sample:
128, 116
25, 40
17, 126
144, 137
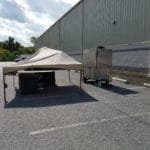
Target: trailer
97, 65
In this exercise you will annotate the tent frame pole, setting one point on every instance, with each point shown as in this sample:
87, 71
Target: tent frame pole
14, 82
4, 86
69, 75
80, 79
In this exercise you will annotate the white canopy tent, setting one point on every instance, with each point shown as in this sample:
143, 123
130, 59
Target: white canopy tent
44, 58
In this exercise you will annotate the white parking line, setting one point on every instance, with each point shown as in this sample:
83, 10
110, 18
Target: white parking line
63, 127
87, 123
137, 87
140, 114
114, 118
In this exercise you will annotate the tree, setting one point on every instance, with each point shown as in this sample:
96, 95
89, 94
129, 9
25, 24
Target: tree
11, 45
17, 45
10, 48
1, 44
33, 39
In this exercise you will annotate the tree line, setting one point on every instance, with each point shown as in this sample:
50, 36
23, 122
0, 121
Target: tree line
11, 48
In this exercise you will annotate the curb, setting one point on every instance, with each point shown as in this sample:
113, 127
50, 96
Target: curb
147, 84
119, 79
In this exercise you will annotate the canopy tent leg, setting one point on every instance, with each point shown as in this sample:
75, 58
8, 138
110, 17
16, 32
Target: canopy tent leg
4, 86
14, 81
69, 75
80, 79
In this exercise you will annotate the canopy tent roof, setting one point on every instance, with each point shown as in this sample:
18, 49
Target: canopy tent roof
46, 58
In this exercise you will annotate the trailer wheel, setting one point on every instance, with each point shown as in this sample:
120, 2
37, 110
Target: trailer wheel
97, 83
105, 84
84, 79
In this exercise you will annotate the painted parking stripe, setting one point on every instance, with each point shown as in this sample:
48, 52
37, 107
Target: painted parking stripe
63, 127
138, 87
140, 114
87, 123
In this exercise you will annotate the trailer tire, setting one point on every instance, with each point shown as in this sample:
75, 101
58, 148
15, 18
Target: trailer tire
84, 80
108, 85
105, 84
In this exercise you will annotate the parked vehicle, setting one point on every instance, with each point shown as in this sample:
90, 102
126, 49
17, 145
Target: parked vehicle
97, 65
21, 57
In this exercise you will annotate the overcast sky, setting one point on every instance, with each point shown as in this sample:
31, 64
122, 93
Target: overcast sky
23, 19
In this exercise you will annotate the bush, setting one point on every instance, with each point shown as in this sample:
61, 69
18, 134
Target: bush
27, 50
10, 48
5, 55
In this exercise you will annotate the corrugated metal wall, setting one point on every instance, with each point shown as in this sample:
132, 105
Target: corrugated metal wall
134, 56
97, 23
45, 39
132, 20
42, 40
91, 23
132, 25
71, 31
54, 36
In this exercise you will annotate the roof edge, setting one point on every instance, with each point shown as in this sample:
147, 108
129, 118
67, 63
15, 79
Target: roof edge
62, 17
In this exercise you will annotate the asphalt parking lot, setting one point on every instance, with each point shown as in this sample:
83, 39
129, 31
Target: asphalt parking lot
66, 118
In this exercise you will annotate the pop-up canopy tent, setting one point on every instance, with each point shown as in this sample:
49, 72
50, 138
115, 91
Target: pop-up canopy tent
45, 58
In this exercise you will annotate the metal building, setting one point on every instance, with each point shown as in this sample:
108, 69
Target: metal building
123, 25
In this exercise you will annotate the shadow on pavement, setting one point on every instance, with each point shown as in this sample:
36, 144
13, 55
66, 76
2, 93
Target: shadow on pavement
120, 90
116, 89
52, 97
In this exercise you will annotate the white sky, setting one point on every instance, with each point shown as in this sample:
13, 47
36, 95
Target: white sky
23, 19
